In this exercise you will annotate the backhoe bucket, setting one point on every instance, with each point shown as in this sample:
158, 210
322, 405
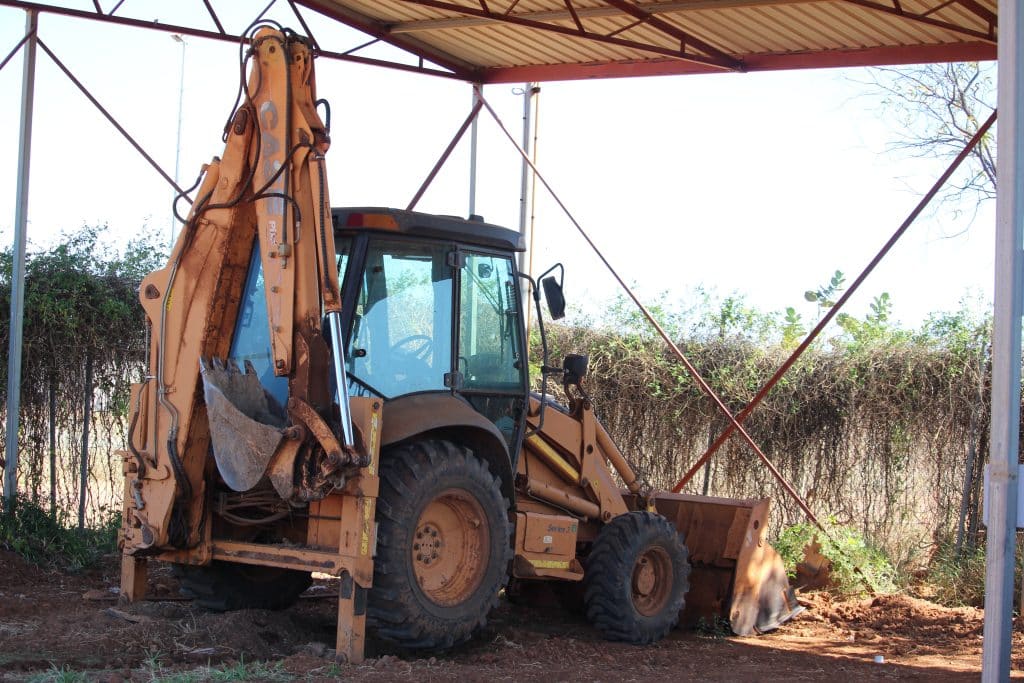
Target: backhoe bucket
736, 574
245, 422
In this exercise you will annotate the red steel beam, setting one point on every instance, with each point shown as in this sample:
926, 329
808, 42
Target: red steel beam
225, 37
305, 27
694, 373
15, 49
360, 22
877, 56
213, 15
834, 310
444, 155
910, 16
731, 64
670, 29
977, 8
113, 121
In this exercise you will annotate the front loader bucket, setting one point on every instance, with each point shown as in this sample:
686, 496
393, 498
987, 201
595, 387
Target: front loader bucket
736, 574
245, 422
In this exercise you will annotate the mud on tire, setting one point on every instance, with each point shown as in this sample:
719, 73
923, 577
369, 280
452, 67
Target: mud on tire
442, 546
226, 586
636, 579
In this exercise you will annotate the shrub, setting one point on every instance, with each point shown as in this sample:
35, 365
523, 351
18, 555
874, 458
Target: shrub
41, 539
855, 564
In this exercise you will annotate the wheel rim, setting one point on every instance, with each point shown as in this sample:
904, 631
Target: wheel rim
652, 581
450, 547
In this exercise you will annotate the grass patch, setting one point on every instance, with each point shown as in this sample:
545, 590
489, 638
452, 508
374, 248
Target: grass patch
248, 671
42, 539
958, 580
59, 675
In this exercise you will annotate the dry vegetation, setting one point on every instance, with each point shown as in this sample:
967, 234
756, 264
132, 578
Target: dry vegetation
874, 425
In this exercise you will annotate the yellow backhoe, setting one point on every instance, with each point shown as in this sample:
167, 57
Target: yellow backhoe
346, 391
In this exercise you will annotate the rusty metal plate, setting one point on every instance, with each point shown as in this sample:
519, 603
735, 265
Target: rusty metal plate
245, 422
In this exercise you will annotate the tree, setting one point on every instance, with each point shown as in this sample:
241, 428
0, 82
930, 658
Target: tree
937, 109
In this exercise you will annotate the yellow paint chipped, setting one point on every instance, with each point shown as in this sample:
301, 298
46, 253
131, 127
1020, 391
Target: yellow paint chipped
374, 430
550, 564
364, 541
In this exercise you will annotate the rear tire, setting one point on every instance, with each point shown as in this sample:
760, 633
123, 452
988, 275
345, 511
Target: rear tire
636, 579
442, 546
226, 586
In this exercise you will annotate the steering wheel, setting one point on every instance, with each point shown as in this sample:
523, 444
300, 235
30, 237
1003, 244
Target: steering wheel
419, 347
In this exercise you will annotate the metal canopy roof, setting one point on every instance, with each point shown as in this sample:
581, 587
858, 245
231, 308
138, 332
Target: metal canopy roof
493, 41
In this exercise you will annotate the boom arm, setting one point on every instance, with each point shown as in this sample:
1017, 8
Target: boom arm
270, 189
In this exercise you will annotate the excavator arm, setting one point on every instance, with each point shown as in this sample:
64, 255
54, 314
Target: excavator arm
266, 194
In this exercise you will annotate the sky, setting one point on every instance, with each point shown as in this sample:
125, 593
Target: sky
760, 185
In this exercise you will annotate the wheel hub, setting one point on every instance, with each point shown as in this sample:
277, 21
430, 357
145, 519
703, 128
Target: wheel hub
428, 544
450, 547
644, 578
652, 580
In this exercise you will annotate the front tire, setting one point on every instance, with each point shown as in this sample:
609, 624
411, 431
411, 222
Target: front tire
636, 579
442, 546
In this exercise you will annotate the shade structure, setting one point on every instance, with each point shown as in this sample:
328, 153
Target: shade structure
542, 40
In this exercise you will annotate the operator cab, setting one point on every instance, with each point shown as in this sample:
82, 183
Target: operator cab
431, 304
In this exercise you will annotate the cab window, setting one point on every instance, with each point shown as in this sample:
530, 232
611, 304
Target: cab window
489, 343
401, 335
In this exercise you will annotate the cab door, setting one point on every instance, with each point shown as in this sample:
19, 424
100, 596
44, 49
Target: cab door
401, 337
491, 353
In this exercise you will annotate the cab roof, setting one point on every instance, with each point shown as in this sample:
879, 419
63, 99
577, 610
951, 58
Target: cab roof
413, 223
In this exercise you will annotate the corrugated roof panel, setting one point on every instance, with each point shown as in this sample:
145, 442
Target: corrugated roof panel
889, 29
814, 33
699, 23
766, 35
762, 32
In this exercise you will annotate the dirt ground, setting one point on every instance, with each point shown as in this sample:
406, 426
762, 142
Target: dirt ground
53, 623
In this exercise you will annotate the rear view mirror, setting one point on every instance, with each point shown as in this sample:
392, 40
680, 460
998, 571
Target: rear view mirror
554, 297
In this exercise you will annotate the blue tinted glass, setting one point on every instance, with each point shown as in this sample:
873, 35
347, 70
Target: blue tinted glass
251, 341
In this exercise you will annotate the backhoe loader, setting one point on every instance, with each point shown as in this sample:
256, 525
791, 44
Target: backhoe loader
346, 391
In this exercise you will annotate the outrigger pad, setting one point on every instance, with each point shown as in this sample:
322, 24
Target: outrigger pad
245, 422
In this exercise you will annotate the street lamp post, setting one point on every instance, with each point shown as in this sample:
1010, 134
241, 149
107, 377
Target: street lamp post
177, 150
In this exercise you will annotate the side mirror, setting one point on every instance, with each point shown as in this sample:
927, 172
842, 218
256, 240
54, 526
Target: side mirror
554, 297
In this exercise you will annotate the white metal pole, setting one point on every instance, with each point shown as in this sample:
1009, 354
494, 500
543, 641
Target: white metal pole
472, 156
177, 149
524, 193
1006, 351
28, 83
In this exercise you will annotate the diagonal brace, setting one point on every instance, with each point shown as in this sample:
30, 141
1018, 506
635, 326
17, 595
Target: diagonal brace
112, 120
925, 200
15, 49
694, 373
682, 36
444, 155
924, 19
730, 63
